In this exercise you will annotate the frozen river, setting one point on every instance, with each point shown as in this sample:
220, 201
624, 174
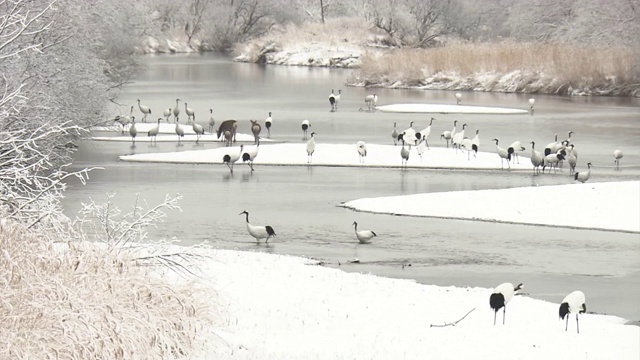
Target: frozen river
301, 202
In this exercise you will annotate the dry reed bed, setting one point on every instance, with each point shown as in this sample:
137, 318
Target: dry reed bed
507, 66
79, 301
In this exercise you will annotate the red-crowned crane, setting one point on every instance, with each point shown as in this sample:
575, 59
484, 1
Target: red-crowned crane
573, 303
499, 298
258, 232
311, 148
305, 125
364, 236
267, 123
583, 176
617, 155
362, 150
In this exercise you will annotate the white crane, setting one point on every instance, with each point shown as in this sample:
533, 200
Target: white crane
371, 101
250, 154
198, 129
574, 303
552, 160
447, 135
467, 145
212, 121
572, 159
458, 98
394, 134
153, 132
551, 147
531, 102
332, 101
404, 154
167, 114
132, 130
305, 127
583, 176
231, 158
475, 142
409, 135
311, 148
504, 155
536, 159
267, 123
258, 232
191, 115
617, 155
500, 296
457, 138
424, 134
338, 98
176, 111
180, 132
513, 150
145, 110
362, 150
364, 236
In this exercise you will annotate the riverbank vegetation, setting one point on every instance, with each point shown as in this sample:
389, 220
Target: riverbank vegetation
567, 47
62, 295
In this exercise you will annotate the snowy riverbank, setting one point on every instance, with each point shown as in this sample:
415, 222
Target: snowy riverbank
282, 307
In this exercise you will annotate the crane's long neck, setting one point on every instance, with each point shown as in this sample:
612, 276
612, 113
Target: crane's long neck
355, 227
246, 214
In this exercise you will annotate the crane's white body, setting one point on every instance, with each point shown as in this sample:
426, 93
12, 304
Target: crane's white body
467, 145
617, 155
500, 297
249, 154
421, 148
267, 123
167, 114
456, 139
552, 160
514, 149
458, 98
504, 155
531, 102
409, 135
363, 236
583, 176
448, 135
426, 132
475, 142
232, 157
536, 158
362, 150
311, 147
305, 125
574, 303
258, 232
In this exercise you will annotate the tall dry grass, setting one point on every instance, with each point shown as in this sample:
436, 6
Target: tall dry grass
67, 299
507, 66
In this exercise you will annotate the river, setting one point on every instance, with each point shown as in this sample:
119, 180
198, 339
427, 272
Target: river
301, 202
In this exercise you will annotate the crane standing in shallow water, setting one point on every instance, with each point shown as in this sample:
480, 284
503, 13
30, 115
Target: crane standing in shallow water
258, 232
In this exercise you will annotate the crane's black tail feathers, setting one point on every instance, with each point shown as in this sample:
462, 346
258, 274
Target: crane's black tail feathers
270, 231
496, 301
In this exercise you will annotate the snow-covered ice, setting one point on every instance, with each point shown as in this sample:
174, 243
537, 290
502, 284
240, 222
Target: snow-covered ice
605, 206
342, 155
282, 307
448, 109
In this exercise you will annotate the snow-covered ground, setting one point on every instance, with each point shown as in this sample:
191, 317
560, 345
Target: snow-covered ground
606, 206
448, 109
341, 155
281, 307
